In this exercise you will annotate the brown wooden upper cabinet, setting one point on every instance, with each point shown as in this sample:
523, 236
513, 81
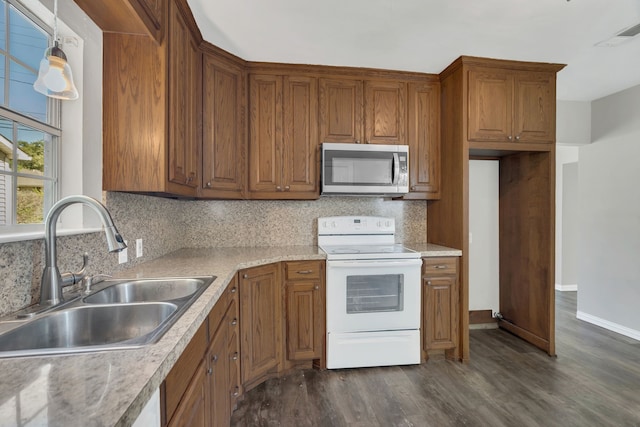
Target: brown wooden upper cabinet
511, 106
283, 137
424, 140
223, 145
184, 77
151, 109
356, 111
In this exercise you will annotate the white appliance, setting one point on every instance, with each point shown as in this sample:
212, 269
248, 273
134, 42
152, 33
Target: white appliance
373, 293
365, 169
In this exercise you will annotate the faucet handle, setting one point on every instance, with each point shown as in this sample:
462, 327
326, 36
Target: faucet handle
69, 278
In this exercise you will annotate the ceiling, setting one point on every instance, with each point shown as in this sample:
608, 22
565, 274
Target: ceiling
427, 35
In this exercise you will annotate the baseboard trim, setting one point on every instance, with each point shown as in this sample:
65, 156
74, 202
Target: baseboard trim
622, 330
565, 288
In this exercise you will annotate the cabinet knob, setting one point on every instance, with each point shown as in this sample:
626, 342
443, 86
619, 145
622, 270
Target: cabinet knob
234, 289
368, 142
278, 188
413, 188
209, 371
214, 358
234, 356
510, 138
357, 141
234, 322
245, 276
316, 287
429, 282
236, 391
287, 188
517, 137
208, 185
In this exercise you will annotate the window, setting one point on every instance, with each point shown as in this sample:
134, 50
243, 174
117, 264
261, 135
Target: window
29, 122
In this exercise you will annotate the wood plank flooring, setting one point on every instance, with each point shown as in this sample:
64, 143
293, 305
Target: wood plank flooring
594, 381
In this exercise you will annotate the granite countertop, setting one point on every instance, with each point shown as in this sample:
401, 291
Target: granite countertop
110, 388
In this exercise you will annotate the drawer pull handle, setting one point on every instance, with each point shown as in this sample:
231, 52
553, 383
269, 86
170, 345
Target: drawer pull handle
304, 271
440, 267
234, 322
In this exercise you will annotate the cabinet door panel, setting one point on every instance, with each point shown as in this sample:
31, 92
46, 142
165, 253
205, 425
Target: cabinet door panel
424, 139
300, 143
261, 327
304, 320
265, 132
223, 162
535, 109
219, 378
490, 105
340, 110
385, 112
193, 410
184, 61
440, 307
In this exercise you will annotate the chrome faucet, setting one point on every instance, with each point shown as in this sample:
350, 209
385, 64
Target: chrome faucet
52, 281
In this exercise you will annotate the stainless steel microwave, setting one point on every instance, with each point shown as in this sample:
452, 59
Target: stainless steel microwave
365, 169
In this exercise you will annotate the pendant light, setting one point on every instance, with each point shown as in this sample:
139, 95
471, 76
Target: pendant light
54, 77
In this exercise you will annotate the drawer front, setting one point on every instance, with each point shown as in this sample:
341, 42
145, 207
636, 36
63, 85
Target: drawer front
303, 270
443, 265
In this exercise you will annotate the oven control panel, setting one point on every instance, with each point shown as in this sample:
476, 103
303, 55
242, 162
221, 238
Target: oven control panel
345, 225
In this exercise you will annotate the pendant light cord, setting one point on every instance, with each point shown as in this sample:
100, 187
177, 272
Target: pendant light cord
55, 22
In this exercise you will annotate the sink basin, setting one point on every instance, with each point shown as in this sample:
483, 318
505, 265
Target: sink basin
145, 290
121, 314
88, 328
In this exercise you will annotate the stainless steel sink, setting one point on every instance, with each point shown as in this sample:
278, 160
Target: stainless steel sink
122, 314
146, 290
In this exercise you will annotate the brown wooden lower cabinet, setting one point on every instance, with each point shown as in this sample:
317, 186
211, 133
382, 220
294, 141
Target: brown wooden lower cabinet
440, 304
244, 340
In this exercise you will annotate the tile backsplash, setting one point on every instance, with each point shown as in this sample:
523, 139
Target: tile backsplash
166, 225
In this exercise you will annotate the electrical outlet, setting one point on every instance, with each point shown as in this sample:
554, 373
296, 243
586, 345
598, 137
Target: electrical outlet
138, 248
122, 255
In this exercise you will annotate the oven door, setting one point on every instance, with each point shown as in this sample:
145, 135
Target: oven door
373, 295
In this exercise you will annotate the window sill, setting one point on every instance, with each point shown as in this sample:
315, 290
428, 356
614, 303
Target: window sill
38, 235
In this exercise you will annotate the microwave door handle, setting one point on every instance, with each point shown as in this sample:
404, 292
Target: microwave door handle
395, 171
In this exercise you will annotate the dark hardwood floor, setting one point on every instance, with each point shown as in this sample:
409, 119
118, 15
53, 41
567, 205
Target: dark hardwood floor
594, 381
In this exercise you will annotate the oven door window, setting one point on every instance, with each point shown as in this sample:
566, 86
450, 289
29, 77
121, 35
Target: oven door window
372, 294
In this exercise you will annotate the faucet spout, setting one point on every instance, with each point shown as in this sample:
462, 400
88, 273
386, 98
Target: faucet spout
51, 284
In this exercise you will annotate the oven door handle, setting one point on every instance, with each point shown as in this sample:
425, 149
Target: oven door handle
373, 263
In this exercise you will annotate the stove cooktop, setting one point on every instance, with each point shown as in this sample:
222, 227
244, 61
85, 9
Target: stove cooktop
393, 251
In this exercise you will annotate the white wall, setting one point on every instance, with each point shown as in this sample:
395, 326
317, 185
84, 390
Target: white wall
573, 129
484, 266
570, 235
609, 225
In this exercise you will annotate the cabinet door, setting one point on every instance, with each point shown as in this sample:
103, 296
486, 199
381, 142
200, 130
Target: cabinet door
385, 106
193, 410
152, 14
424, 140
184, 63
341, 110
305, 320
300, 143
440, 312
223, 147
535, 107
490, 105
261, 325
265, 133
219, 378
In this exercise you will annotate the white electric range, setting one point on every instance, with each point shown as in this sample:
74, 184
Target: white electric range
373, 293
